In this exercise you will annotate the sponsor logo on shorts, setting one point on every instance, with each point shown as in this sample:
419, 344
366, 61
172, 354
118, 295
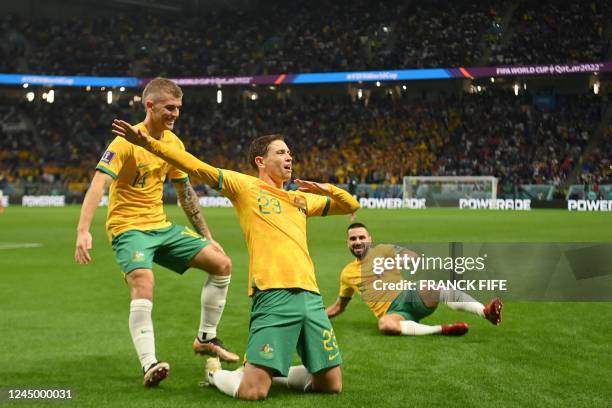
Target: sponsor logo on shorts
267, 351
107, 157
191, 233
138, 256
333, 356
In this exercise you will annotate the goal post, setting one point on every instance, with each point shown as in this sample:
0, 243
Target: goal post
446, 191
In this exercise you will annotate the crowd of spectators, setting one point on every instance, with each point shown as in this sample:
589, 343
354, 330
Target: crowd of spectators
520, 142
556, 32
297, 37
56, 144
596, 167
333, 139
444, 34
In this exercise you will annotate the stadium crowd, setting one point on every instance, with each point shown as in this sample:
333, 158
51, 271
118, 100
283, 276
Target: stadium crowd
333, 139
556, 32
294, 38
596, 167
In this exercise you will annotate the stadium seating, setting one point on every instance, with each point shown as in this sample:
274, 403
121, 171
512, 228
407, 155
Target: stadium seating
374, 35
333, 139
336, 139
556, 32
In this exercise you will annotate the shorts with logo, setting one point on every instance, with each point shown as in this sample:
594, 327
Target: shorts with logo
172, 247
287, 320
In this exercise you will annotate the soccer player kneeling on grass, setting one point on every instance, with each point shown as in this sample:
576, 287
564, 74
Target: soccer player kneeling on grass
402, 313
140, 233
287, 313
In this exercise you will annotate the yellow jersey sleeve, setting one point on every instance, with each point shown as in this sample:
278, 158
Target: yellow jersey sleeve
114, 157
316, 205
186, 162
337, 202
341, 201
231, 183
175, 175
346, 288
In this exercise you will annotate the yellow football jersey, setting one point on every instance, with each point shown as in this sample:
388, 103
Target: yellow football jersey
358, 276
273, 220
135, 196
274, 224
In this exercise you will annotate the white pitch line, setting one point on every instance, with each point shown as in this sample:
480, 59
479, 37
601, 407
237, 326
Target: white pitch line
17, 245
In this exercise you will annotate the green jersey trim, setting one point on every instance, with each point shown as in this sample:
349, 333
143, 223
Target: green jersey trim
180, 180
326, 209
220, 186
107, 171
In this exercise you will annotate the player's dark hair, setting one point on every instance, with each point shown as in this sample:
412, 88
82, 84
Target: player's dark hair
357, 225
259, 147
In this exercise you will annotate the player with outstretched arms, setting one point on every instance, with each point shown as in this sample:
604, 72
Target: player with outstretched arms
287, 312
141, 235
400, 313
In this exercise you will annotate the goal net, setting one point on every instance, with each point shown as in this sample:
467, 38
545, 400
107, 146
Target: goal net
446, 191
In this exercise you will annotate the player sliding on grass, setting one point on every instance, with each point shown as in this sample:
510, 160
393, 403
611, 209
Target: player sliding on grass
287, 312
141, 234
400, 313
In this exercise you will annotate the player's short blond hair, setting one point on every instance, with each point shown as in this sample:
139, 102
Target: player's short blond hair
159, 86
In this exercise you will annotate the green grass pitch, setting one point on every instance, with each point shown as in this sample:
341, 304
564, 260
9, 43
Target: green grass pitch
64, 325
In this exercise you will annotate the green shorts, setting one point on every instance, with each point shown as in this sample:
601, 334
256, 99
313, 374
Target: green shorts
172, 247
409, 305
286, 320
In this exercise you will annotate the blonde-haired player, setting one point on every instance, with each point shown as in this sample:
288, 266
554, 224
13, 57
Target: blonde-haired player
287, 313
141, 234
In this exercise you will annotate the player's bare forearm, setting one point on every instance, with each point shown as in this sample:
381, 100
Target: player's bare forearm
99, 184
338, 307
191, 206
84, 239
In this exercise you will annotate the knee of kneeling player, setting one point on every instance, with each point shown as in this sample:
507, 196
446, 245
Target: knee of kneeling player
389, 327
335, 388
252, 394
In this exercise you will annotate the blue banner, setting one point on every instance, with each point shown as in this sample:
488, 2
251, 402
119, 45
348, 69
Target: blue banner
18, 79
369, 76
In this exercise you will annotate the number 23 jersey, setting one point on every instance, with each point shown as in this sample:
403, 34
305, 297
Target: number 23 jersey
274, 224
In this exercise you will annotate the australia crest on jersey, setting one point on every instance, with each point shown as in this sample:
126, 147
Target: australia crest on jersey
300, 203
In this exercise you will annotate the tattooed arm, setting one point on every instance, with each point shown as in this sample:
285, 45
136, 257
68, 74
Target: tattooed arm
191, 205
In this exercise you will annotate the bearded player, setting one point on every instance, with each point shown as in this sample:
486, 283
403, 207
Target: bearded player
287, 313
141, 234
399, 313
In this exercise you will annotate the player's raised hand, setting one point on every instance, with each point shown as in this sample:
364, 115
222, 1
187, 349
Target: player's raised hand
312, 187
129, 132
83, 245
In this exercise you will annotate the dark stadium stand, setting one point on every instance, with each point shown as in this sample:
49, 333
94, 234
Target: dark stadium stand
335, 137
374, 35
